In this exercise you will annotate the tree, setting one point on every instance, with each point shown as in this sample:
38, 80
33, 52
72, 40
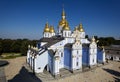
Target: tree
15, 46
6, 45
0, 47
24, 47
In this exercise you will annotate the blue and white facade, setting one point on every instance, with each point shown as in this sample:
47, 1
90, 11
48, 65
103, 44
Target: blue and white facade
64, 49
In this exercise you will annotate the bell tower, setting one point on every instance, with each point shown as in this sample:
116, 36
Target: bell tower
63, 24
93, 52
76, 55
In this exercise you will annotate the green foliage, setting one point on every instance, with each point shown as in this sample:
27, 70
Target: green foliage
0, 47
107, 41
117, 42
6, 45
16, 46
24, 47
21, 45
10, 55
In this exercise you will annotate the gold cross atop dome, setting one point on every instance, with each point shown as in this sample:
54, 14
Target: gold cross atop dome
63, 13
63, 21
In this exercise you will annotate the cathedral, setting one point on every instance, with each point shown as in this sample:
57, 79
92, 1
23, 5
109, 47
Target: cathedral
64, 49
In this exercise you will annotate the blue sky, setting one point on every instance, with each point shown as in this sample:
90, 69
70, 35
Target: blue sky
27, 18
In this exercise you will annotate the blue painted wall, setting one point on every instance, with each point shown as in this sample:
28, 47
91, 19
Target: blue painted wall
38, 45
67, 57
50, 63
85, 56
99, 55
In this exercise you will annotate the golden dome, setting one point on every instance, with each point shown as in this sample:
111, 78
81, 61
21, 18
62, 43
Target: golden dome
66, 27
81, 28
62, 22
46, 29
51, 29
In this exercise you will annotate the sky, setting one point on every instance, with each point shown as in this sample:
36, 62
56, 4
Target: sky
26, 18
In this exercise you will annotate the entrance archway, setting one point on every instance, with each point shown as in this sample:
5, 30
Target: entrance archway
46, 69
111, 58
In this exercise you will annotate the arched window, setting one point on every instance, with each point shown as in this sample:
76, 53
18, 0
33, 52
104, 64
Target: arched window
93, 60
76, 63
61, 54
77, 52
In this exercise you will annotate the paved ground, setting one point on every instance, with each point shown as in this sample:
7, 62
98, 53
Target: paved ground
2, 72
2, 75
3, 63
16, 72
104, 73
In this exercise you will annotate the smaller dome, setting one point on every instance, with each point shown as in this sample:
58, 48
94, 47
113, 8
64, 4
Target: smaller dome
46, 29
81, 28
66, 27
51, 29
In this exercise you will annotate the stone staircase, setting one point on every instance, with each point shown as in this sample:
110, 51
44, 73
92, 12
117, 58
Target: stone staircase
45, 76
65, 72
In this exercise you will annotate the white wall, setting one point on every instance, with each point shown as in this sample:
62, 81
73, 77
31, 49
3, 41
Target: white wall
46, 34
28, 56
66, 33
43, 43
104, 56
116, 58
41, 61
82, 34
56, 66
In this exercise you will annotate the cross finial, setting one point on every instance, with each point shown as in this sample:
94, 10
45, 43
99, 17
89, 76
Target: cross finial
63, 6
47, 19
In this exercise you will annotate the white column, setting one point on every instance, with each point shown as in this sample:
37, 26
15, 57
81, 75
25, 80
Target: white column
103, 56
31, 61
50, 34
56, 65
28, 56
95, 59
73, 62
80, 61
80, 57
91, 60
59, 30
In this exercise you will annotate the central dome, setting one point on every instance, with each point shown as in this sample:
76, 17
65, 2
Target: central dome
66, 27
62, 22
